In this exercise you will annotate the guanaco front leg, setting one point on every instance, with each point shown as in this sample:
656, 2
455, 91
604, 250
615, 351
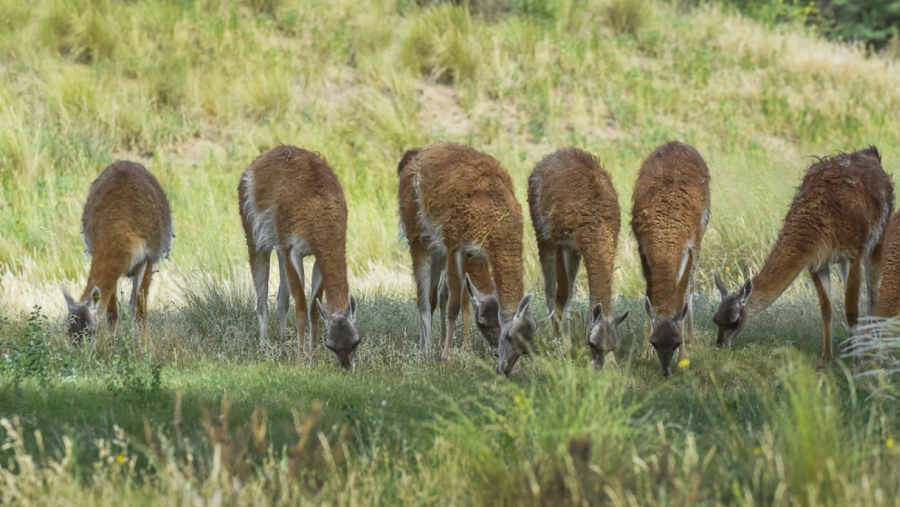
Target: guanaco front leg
294, 269
316, 293
454, 267
283, 300
572, 261
547, 256
562, 297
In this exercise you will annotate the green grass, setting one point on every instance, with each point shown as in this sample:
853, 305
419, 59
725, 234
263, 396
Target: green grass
754, 425
196, 89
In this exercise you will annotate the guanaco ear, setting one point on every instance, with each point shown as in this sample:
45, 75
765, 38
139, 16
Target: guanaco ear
541, 322
745, 292
351, 308
596, 314
681, 315
618, 320
523, 306
474, 294
723, 291
324, 312
69, 301
649, 308
94, 302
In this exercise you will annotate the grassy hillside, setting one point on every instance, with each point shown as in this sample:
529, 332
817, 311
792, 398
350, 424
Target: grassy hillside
195, 90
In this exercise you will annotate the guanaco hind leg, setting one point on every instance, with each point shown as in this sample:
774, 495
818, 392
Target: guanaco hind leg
822, 281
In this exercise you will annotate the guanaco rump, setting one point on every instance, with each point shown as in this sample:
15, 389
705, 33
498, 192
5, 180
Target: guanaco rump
575, 213
838, 216
127, 227
668, 218
466, 207
291, 202
433, 284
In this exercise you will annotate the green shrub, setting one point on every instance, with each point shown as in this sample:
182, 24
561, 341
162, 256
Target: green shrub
81, 29
439, 44
626, 16
874, 22
264, 6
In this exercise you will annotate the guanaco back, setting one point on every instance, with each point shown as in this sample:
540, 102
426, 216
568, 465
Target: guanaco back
838, 216
292, 202
669, 218
127, 227
575, 213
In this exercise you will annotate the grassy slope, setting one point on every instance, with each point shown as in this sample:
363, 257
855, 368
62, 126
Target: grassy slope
196, 90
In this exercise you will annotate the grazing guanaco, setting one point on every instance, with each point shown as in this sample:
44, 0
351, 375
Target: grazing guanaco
838, 216
127, 227
668, 218
433, 287
292, 202
575, 213
466, 207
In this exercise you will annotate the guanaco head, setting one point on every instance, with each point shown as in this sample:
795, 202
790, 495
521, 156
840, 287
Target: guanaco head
602, 337
666, 335
82, 318
486, 308
517, 336
731, 317
342, 336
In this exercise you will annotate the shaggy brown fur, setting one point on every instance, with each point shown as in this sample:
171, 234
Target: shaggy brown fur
429, 268
838, 216
575, 213
888, 300
127, 227
467, 208
291, 202
669, 217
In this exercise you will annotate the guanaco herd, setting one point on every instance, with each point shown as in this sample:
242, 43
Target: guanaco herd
464, 226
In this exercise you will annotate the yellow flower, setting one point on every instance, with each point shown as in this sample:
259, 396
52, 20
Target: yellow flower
571, 116
757, 451
739, 279
889, 443
518, 399
120, 459
684, 363
727, 268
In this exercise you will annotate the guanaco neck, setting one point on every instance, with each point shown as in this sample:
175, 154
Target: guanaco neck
333, 266
786, 260
599, 283
507, 271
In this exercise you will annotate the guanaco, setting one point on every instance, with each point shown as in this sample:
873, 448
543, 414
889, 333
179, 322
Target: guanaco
575, 213
292, 202
127, 227
466, 207
669, 216
432, 277
838, 216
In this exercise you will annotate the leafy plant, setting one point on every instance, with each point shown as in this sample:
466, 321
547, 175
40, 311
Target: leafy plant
874, 22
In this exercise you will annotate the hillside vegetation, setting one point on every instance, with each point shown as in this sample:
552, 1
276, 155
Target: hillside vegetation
196, 90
